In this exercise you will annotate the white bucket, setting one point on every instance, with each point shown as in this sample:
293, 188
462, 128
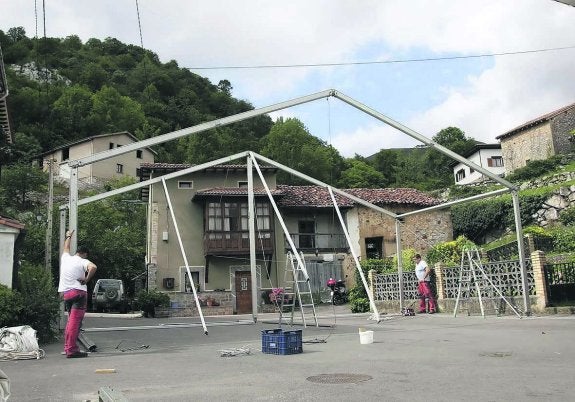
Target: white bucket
365, 337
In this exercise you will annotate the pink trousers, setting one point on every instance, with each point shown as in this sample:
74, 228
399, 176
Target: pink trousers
75, 302
425, 293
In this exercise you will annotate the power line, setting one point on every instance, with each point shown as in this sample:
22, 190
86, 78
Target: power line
397, 61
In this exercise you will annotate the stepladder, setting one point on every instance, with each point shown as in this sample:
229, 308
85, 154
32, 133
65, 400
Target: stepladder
298, 297
477, 288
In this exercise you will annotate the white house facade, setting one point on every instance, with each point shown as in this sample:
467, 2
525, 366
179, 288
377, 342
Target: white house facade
488, 156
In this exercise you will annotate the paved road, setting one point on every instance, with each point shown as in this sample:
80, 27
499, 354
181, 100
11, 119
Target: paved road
421, 358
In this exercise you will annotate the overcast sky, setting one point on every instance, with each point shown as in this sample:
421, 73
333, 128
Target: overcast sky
485, 96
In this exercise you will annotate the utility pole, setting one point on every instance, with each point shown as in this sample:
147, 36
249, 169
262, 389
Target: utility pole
49, 220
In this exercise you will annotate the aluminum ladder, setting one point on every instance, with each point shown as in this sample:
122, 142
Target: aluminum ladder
297, 292
472, 274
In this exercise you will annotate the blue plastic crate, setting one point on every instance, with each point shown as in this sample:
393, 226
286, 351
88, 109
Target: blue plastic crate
279, 342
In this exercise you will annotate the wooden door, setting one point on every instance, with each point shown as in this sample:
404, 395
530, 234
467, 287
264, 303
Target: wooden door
243, 292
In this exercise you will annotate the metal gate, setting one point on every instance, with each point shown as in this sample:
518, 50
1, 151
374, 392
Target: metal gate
560, 282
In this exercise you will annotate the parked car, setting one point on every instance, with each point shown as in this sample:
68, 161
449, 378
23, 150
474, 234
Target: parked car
109, 295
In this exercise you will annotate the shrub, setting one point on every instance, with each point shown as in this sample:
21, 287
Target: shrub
535, 168
11, 306
448, 252
40, 301
564, 239
359, 305
567, 216
407, 256
147, 301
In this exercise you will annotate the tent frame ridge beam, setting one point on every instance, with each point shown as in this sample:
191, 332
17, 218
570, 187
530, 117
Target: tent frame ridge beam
456, 202
419, 137
199, 128
322, 184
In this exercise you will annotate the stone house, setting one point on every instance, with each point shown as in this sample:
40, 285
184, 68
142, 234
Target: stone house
101, 171
539, 138
487, 156
212, 218
11, 231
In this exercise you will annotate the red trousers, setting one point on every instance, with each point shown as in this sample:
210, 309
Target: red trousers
425, 293
75, 302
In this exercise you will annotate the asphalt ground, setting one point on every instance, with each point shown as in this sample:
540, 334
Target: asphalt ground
426, 357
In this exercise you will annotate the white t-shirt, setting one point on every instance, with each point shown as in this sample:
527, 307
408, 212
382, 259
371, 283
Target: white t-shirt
420, 268
72, 269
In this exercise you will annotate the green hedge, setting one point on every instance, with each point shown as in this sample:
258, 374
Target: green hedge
35, 302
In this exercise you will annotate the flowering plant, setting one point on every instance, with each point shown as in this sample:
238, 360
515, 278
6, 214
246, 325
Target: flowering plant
276, 294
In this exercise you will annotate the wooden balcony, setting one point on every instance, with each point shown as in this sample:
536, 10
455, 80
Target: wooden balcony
319, 242
232, 243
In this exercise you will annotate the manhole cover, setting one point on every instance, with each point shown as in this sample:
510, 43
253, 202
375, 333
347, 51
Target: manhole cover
339, 378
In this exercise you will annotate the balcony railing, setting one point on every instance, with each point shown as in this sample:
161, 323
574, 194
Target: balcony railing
228, 243
320, 242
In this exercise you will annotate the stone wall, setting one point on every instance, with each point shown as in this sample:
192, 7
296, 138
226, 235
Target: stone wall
561, 199
561, 127
530, 144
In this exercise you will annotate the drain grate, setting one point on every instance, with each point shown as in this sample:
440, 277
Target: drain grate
339, 378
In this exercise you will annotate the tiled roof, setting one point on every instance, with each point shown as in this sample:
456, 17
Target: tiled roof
11, 223
232, 191
538, 120
181, 166
318, 197
301, 196
309, 196
404, 196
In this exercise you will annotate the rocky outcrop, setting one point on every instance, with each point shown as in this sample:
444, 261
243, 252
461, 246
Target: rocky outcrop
561, 199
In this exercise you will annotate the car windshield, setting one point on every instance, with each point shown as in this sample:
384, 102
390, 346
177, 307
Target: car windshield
105, 285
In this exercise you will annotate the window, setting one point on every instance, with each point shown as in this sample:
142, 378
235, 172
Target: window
495, 161
306, 240
242, 184
139, 154
119, 168
460, 175
65, 154
374, 248
111, 145
185, 184
233, 217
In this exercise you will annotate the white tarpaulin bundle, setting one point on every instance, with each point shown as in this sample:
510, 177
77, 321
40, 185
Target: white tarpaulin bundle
19, 343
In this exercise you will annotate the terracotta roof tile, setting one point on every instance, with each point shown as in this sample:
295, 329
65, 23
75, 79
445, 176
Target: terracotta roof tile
404, 196
309, 196
11, 223
232, 191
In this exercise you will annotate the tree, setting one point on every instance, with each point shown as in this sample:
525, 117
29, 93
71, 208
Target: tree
437, 163
360, 174
113, 112
20, 180
291, 144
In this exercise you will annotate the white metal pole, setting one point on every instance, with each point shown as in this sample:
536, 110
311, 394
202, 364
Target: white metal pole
184, 256
300, 263
48, 255
354, 255
399, 261
521, 250
252, 238
73, 214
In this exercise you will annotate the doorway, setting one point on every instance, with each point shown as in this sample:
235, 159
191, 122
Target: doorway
243, 282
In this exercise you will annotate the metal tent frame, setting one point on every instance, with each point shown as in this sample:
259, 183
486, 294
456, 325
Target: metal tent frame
74, 165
